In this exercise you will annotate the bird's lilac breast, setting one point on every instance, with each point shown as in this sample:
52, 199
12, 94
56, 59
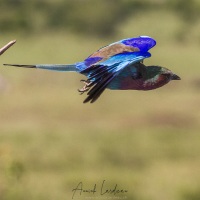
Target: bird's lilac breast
156, 82
128, 83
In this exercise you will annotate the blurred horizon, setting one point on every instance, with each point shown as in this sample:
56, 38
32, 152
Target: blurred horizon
82, 18
145, 142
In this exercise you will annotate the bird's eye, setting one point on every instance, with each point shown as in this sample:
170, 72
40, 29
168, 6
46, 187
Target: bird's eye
166, 75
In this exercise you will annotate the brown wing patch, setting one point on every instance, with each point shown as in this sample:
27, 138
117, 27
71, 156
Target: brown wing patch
114, 49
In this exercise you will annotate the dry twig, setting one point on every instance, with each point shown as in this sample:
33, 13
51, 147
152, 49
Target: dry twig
7, 46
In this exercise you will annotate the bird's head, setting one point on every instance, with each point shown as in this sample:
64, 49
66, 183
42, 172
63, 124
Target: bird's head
158, 71
168, 74
157, 76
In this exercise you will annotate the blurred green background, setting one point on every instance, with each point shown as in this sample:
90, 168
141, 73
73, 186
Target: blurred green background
146, 142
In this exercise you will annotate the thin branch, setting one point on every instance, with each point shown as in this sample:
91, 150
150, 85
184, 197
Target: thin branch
7, 46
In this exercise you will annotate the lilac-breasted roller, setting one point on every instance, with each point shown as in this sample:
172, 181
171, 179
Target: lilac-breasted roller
118, 66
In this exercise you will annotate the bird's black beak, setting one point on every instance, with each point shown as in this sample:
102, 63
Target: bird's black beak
175, 77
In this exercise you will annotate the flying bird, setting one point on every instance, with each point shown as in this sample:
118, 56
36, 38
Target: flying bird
118, 66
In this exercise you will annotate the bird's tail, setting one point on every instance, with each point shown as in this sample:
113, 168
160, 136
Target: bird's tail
55, 67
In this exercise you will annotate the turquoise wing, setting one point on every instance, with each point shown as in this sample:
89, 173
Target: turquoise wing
141, 43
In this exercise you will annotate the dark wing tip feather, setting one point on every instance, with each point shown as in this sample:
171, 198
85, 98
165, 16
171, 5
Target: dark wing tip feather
98, 89
16, 65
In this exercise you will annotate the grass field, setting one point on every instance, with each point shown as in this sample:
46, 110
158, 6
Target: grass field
146, 142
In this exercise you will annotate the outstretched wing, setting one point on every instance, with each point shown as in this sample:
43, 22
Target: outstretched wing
141, 43
101, 74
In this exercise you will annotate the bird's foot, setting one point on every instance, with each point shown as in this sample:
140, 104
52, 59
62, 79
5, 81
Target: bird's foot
86, 87
86, 82
83, 89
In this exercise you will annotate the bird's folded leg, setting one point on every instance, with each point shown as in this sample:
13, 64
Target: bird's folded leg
85, 81
86, 87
